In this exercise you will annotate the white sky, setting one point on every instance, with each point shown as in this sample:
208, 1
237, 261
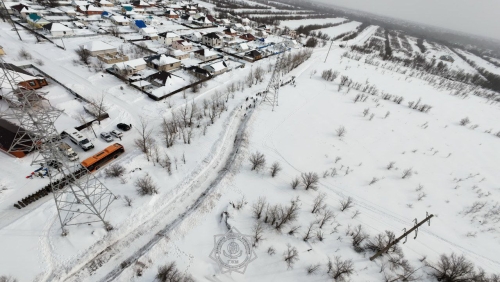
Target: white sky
480, 17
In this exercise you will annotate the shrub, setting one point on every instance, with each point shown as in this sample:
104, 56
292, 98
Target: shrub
146, 186
115, 170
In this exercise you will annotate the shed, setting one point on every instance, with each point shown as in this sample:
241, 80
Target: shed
98, 47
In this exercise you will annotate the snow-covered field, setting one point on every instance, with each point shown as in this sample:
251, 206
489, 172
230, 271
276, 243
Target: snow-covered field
293, 24
452, 167
480, 62
337, 30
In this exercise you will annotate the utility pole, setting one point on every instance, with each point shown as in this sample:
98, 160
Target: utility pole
415, 228
329, 50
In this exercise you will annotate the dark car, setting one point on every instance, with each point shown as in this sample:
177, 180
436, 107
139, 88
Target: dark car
55, 164
124, 127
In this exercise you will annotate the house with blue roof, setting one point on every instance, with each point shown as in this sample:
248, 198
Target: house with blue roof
138, 24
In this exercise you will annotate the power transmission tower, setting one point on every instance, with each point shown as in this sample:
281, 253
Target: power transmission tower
272, 91
406, 233
79, 196
5, 14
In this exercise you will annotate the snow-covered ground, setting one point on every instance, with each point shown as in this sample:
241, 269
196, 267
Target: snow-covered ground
452, 167
480, 62
337, 30
293, 24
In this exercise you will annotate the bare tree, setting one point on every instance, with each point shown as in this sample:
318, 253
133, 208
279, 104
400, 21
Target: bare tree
295, 183
453, 268
287, 214
291, 256
341, 131
293, 230
98, 107
258, 161
310, 231
326, 216
374, 180
146, 186
83, 55
259, 74
310, 180
145, 140
407, 173
341, 269
257, 231
319, 203
358, 237
169, 131
275, 169
346, 204
258, 207
7, 278
128, 201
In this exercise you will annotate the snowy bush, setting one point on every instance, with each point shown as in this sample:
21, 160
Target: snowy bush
295, 183
455, 268
146, 186
7, 279
310, 180
346, 204
275, 169
464, 121
407, 173
258, 161
340, 269
128, 201
24, 54
115, 170
341, 131
170, 273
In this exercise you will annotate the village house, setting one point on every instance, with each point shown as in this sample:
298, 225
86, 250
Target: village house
182, 45
202, 21
23, 11
292, 33
168, 37
247, 37
212, 39
160, 78
104, 3
120, 20
216, 68
129, 67
58, 30
137, 24
36, 21
8, 133
178, 54
149, 33
447, 58
230, 31
23, 78
89, 10
195, 36
186, 18
254, 54
205, 55
242, 47
98, 47
162, 62
171, 14
224, 22
141, 4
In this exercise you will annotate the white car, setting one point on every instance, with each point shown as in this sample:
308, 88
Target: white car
106, 136
116, 133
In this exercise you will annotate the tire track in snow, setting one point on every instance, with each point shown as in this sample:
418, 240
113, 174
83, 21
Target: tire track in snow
225, 169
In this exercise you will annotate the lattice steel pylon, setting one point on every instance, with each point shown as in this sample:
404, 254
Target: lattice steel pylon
79, 196
272, 91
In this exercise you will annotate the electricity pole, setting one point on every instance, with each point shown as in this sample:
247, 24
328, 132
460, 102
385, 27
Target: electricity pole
329, 50
415, 228
3, 9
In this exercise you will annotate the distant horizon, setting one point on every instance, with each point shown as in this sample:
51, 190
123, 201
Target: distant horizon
484, 21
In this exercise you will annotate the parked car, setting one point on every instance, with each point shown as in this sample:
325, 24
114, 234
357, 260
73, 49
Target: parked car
54, 163
124, 127
106, 136
116, 133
